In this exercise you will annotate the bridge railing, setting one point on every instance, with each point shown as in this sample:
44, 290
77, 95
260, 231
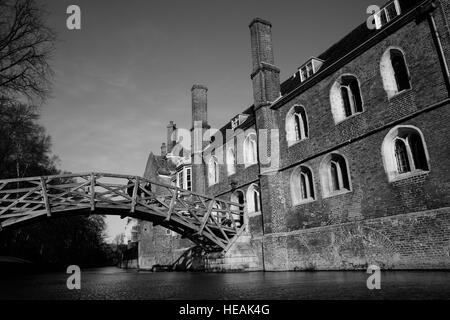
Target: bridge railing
204, 219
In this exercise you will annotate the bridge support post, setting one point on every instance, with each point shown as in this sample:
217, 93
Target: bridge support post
206, 217
172, 204
134, 197
45, 197
92, 191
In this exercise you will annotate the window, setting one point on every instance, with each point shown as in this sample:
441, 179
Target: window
180, 182
302, 185
404, 152
308, 69
213, 171
189, 179
238, 197
253, 199
231, 162
394, 72
400, 70
345, 98
387, 14
334, 175
250, 150
296, 125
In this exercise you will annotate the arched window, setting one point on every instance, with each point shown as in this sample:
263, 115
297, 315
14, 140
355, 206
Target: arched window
253, 199
238, 197
231, 162
334, 175
296, 125
345, 98
250, 150
404, 152
213, 171
302, 185
394, 72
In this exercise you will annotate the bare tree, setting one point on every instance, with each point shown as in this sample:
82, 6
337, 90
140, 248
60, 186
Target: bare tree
26, 45
24, 144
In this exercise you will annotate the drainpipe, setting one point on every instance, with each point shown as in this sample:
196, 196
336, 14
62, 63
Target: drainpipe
438, 44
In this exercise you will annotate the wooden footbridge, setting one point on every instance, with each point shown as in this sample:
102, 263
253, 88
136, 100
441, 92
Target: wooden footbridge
209, 222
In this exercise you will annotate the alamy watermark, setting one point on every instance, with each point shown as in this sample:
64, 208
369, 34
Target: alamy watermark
74, 280
374, 280
73, 21
235, 147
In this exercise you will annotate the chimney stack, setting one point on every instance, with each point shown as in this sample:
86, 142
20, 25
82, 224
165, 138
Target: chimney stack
171, 127
199, 95
199, 126
265, 76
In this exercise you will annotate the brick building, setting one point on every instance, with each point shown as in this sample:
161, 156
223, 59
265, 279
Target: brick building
359, 169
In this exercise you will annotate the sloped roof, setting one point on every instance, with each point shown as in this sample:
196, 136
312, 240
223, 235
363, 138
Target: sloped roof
348, 43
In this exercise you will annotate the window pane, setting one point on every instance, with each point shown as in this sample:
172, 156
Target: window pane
334, 177
401, 157
304, 73
304, 124
303, 186
311, 186
356, 94
344, 174
256, 200
418, 152
309, 69
189, 179
346, 101
391, 11
383, 17
400, 70
298, 134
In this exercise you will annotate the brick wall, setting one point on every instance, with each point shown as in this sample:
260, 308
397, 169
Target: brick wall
158, 248
402, 224
409, 241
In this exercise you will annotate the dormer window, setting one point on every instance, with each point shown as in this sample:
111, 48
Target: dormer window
387, 14
309, 68
238, 120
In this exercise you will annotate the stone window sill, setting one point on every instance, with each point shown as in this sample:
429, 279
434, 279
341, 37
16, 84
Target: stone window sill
337, 193
400, 94
350, 117
412, 174
293, 143
302, 202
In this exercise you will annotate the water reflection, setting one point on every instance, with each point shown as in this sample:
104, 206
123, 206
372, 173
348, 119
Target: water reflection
115, 283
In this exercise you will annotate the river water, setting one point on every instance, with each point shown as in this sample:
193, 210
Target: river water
115, 283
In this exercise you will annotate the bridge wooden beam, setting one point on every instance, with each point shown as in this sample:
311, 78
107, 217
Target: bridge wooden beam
230, 216
92, 192
45, 197
206, 217
134, 197
171, 205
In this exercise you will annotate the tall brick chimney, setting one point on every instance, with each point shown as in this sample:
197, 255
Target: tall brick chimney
266, 89
199, 94
170, 142
199, 104
265, 76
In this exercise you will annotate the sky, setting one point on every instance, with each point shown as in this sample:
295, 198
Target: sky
129, 70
